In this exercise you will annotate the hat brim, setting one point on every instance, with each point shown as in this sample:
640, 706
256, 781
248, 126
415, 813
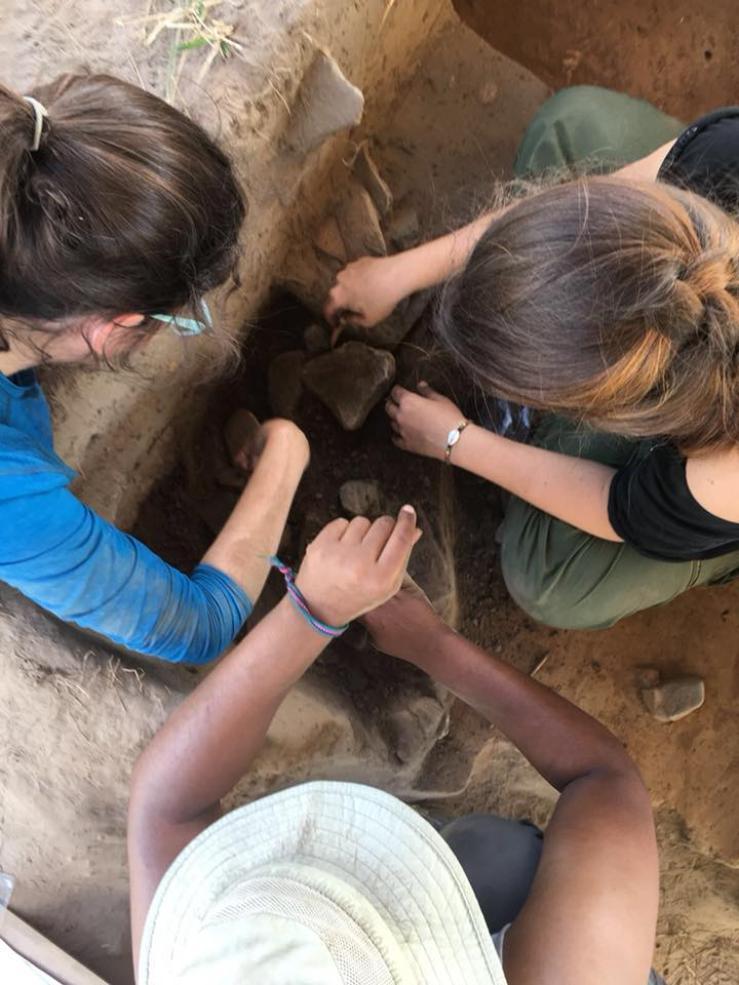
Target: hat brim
401, 866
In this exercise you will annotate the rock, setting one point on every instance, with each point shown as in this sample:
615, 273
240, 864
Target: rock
284, 382
417, 727
389, 334
328, 240
316, 338
404, 228
359, 222
674, 699
308, 276
326, 103
362, 497
241, 434
433, 569
368, 173
350, 381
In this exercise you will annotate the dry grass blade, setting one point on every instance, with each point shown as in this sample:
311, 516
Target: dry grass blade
388, 9
193, 27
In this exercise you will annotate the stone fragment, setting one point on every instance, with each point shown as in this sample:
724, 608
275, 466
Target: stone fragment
329, 241
416, 727
359, 222
676, 698
368, 173
433, 569
388, 334
326, 103
241, 432
350, 381
308, 276
316, 338
362, 497
404, 228
284, 382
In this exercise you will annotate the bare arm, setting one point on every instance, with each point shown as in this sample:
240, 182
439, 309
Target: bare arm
592, 911
367, 290
211, 739
572, 489
206, 746
253, 530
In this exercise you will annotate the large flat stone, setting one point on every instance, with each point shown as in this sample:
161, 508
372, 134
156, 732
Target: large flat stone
326, 103
350, 381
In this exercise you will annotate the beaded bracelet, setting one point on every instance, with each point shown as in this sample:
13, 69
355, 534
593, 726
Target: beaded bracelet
301, 606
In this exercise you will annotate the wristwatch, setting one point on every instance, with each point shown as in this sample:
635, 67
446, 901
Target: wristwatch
452, 438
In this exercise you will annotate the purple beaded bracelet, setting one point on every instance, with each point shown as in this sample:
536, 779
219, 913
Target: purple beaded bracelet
301, 606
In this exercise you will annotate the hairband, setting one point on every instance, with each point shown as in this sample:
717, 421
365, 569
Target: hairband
39, 112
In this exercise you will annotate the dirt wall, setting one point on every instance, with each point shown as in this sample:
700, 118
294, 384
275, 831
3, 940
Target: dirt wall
120, 432
678, 54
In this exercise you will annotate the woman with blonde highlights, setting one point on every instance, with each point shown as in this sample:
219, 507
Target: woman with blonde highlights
611, 306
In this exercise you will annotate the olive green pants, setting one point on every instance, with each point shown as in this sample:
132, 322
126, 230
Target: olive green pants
559, 574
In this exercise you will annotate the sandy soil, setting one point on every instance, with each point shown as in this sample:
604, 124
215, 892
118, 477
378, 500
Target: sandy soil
76, 714
690, 766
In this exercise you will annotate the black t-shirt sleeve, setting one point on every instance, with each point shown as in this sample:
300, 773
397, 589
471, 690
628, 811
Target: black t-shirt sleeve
651, 507
705, 158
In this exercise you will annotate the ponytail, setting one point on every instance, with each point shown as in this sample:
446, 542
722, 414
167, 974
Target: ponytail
611, 302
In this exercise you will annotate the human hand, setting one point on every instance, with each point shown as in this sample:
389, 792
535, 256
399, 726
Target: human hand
365, 292
421, 421
404, 625
354, 566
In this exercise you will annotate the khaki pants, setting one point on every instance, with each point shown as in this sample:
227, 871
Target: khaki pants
559, 574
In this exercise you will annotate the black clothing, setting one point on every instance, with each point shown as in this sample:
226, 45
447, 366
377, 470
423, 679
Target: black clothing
650, 505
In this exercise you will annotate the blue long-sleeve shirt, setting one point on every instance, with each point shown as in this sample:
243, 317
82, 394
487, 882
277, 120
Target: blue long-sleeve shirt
67, 559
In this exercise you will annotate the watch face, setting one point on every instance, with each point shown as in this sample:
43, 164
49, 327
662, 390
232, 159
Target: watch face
452, 437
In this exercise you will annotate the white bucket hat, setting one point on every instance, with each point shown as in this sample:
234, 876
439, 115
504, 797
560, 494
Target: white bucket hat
321, 884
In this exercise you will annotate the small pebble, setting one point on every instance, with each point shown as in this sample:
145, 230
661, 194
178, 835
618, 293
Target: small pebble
674, 699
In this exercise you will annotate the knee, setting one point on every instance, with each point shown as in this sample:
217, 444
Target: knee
548, 598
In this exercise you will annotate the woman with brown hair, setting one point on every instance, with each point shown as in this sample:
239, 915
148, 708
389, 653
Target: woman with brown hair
611, 305
117, 216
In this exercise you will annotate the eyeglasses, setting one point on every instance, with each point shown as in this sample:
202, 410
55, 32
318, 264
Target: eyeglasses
188, 326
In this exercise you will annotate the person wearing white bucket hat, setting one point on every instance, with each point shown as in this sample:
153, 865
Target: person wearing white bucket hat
341, 884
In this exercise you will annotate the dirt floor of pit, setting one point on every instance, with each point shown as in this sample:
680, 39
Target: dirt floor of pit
66, 805
690, 766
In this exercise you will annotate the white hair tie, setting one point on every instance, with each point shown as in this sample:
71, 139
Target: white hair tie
39, 113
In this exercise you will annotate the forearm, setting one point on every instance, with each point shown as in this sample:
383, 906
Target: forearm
207, 745
253, 530
434, 262
560, 741
572, 489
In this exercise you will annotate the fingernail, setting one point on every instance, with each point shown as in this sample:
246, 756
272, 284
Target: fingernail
408, 509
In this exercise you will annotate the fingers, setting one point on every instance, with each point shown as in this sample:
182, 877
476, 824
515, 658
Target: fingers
334, 530
334, 305
377, 535
400, 543
356, 530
